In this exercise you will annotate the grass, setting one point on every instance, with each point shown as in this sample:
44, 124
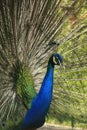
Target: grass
77, 124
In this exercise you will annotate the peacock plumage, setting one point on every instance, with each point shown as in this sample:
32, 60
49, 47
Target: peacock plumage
35, 116
28, 29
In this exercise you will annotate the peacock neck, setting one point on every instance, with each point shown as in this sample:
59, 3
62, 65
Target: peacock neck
35, 116
50, 71
50, 68
47, 84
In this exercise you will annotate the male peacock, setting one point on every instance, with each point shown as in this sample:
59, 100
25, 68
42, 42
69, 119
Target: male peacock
35, 116
25, 48
37, 104
27, 29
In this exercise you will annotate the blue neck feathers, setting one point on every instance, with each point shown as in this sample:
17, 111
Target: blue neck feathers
35, 116
47, 84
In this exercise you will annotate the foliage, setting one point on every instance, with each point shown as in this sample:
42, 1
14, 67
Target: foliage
72, 81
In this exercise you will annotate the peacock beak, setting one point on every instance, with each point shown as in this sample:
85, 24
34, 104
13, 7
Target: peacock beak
62, 65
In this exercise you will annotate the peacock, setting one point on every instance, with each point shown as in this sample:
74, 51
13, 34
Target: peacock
29, 40
35, 116
23, 53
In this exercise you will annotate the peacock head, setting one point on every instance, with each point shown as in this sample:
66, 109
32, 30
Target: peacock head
56, 59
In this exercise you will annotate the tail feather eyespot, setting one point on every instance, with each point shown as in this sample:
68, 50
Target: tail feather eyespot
3, 124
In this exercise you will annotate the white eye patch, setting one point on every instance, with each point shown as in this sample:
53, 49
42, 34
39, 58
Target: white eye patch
56, 61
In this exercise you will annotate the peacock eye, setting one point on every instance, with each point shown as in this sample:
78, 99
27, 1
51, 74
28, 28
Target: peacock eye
56, 61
